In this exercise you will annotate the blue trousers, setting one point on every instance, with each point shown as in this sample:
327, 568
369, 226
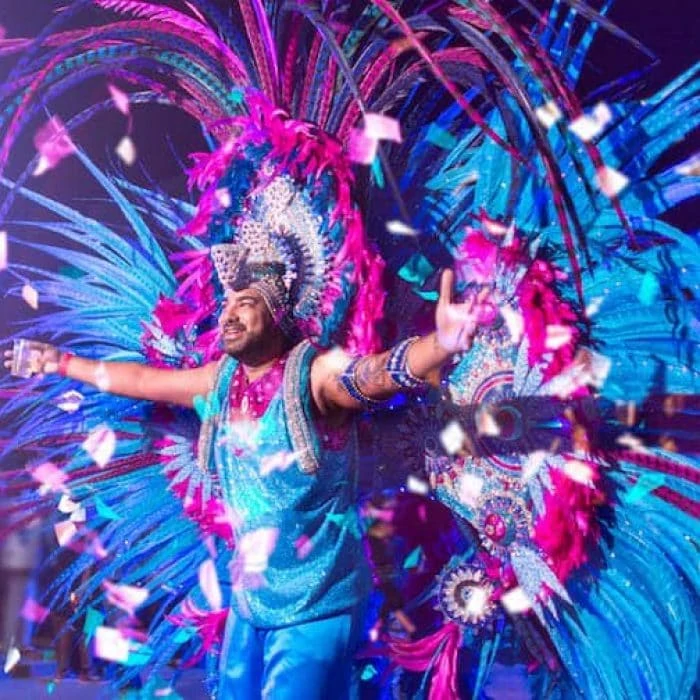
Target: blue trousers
312, 660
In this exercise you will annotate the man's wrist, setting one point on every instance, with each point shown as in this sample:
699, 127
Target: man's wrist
63, 362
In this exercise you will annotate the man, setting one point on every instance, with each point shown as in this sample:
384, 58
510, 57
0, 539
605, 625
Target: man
282, 444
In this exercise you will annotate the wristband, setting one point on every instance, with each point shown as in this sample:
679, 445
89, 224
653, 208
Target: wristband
63, 363
398, 369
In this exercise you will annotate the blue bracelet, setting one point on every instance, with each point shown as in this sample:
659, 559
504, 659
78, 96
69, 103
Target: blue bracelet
349, 382
398, 369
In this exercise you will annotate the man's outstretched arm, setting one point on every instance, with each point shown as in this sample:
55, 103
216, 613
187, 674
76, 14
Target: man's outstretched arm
130, 379
339, 382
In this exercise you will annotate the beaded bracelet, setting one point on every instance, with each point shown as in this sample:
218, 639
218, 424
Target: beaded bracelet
63, 363
349, 382
398, 369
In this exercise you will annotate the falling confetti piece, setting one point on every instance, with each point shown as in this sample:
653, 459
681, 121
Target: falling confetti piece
413, 559
588, 126
53, 144
382, 128
548, 114
255, 549
593, 306
485, 422
104, 511
440, 137
646, 484
12, 659
416, 485
209, 583
469, 489
557, 336
452, 438
361, 148
110, 645
610, 181
30, 296
93, 620
280, 461
49, 476
78, 515
515, 601
124, 596
3, 250
533, 463
648, 290
579, 472
223, 197
70, 401
368, 672
33, 612
398, 228
66, 505
303, 545
121, 100
514, 322
65, 531
100, 445
126, 151
632, 442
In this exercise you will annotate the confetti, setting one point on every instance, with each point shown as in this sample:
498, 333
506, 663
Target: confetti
548, 114
93, 620
514, 322
65, 531
209, 583
588, 126
70, 401
78, 515
30, 296
515, 601
49, 476
416, 485
579, 472
12, 659
646, 484
126, 151
452, 438
255, 549
100, 445
277, 462
469, 489
533, 463
66, 505
610, 181
648, 290
398, 228
485, 422
121, 99
361, 148
3, 250
104, 511
413, 559
632, 442
53, 144
557, 336
440, 137
223, 197
110, 645
125, 597
303, 545
33, 612
593, 306
382, 128
368, 672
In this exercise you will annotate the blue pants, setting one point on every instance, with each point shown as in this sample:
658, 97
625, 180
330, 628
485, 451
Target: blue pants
312, 660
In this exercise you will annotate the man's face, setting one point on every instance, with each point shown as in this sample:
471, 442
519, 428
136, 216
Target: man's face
246, 324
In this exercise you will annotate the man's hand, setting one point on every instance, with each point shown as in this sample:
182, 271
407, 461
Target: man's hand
43, 358
456, 324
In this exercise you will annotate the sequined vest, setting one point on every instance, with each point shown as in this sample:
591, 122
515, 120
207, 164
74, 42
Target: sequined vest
292, 495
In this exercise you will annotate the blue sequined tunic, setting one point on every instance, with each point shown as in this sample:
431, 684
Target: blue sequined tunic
311, 502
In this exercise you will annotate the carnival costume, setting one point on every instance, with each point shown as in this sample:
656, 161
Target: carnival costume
574, 542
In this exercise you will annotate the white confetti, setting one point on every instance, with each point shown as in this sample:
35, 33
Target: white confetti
382, 128
557, 336
31, 296
280, 461
594, 306
610, 181
209, 583
66, 505
125, 597
579, 472
398, 228
100, 445
588, 126
416, 485
548, 114
126, 151
65, 531
12, 659
452, 438
79, 515
485, 422
469, 489
515, 601
514, 322
255, 548
110, 645
70, 401
223, 197
121, 99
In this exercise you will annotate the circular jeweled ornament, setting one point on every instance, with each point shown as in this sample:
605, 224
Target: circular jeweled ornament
503, 519
464, 595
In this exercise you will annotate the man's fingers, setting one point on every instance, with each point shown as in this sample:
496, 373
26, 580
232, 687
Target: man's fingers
446, 281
